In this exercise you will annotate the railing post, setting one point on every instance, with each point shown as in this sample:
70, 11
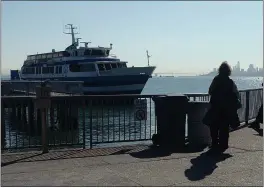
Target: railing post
43, 103
91, 125
247, 108
83, 121
3, 131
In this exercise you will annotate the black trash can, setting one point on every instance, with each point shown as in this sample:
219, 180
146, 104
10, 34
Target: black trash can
171, 120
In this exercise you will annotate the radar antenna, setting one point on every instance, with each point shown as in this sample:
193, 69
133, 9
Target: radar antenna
71, 32
148, 56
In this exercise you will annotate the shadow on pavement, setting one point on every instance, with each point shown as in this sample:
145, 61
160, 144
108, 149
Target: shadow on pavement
18, 160
204, 165
154, 152
260, 133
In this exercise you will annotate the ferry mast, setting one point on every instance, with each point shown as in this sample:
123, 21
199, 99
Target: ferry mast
148, 56
71, 32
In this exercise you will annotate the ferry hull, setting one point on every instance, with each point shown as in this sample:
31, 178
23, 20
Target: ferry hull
108, 85
114, 90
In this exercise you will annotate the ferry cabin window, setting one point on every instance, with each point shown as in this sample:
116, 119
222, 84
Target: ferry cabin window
58, 70
87, 67
87, 52
101, 67
47, 70
49, 56
75, 68
43, 56
38, 70
107, 52
107, 66
29, 70
120, 65
51, 70
96, 52
113, 65
66, 54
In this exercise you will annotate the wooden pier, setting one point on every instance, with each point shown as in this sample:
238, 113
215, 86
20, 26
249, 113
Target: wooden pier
9, 88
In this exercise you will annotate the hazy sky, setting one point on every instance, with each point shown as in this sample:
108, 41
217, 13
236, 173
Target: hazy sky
191, 37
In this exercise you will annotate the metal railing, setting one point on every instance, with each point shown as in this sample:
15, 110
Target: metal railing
251, 100
89, 121
78, 121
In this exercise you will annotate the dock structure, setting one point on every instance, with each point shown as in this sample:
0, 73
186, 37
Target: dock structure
43, 120
23, 87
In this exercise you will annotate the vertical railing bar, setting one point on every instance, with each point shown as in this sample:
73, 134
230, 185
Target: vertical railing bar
102, 127
140, 124
83, 121
23, 122
150, 117
55, 119
9, 126
135, 124
91, 124
97, 126
29, 121
67, 107
72, 131
61, 110
129, 125
113, 120
247, 107
108, 128
124, 123
146, 118
119, 129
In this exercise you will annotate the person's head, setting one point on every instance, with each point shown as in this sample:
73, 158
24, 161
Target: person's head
224, 69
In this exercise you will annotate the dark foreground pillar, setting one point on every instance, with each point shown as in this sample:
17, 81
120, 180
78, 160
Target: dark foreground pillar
171, 121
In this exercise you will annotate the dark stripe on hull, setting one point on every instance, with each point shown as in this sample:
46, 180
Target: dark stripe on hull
100, 81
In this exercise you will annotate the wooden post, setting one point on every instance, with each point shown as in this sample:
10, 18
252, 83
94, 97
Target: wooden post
43, 103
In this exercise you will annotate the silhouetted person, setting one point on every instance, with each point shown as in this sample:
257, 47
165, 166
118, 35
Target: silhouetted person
259, 119
224, 104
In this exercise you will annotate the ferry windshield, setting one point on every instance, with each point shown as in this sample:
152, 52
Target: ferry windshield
96, 52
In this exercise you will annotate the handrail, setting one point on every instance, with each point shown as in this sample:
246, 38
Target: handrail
83, 120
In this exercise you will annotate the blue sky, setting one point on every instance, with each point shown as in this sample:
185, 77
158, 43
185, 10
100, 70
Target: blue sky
187, 37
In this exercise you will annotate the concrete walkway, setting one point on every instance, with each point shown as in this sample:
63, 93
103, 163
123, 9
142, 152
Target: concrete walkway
242, 165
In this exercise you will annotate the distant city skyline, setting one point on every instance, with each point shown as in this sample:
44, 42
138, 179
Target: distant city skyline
184, 37
250, 68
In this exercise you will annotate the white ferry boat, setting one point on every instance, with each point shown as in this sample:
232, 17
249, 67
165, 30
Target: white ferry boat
102, 73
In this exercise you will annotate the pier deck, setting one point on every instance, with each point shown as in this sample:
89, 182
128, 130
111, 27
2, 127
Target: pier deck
242, 165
